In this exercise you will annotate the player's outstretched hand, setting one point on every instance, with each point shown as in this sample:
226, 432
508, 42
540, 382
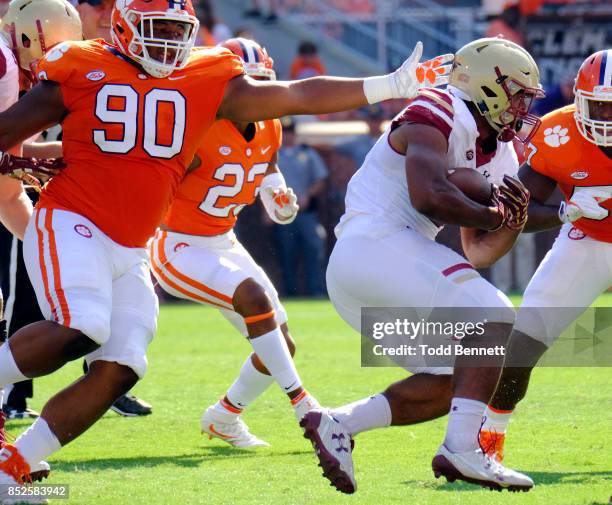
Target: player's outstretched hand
584, 203
515, 197
32, 171
412, 75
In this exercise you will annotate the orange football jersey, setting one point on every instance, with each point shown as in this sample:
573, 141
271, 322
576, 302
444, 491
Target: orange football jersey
128, 138
559, 151
211, 196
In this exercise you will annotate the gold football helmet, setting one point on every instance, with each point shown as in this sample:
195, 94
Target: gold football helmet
502, 80
32, 27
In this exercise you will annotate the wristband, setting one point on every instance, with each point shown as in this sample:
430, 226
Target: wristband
274, 180
377, 89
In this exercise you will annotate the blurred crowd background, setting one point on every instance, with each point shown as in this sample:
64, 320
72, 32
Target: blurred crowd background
364, 37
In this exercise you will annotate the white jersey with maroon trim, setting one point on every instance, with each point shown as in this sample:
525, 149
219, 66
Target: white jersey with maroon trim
9, 77
379, 189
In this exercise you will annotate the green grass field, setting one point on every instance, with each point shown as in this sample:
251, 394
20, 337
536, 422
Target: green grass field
561, 434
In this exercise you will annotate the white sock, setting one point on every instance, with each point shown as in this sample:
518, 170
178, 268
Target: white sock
9, 372
226, 413
1, 397
304, 403
274, 354
364, 415
37, 443
464, 420
496, 420
249, 385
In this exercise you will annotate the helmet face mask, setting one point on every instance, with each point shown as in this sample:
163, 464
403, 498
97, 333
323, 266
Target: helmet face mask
593, 99
159, 40
515, 120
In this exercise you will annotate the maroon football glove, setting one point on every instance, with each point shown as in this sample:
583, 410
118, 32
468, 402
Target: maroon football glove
30, 170
496, 201
515, 197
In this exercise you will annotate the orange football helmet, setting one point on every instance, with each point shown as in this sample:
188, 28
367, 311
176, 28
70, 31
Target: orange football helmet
257, 62
593, 98
135, 26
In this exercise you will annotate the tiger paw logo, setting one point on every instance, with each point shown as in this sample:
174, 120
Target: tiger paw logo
430, 70
556, 136
58, 52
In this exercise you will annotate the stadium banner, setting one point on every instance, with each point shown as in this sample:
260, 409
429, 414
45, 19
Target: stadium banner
416, 338
560, 43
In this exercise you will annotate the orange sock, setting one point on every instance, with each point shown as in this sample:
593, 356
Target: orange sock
13, 463
493, 431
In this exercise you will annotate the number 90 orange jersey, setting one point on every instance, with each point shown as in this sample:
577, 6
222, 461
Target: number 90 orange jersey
128, 137
560, 152
211, 196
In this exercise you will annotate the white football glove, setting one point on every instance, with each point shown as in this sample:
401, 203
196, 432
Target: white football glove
279, 201
585, 203
412, 75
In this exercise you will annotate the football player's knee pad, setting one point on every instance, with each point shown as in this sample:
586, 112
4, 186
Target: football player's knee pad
484, 301
536, 323
94, 326
131, 336
135, 356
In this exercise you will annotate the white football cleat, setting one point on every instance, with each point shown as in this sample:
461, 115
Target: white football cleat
477, 468
9, 496
333, 446
236, 434
40, 471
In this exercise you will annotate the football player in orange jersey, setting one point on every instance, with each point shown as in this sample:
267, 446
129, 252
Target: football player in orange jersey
196, 255
572, 150
133, 116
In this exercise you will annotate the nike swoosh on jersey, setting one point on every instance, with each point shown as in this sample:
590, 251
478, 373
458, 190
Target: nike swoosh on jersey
176, 78
265, 150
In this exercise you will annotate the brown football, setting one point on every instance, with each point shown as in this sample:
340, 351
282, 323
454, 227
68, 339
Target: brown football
472, 184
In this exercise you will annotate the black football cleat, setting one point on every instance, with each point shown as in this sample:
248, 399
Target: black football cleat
130, 406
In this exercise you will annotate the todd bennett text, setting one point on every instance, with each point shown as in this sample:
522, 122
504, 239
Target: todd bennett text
453, 349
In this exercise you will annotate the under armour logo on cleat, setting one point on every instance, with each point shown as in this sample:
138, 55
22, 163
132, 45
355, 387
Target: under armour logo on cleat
340, 438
